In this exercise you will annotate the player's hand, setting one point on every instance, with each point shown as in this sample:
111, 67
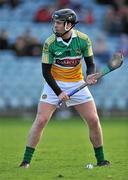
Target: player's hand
63, 96
92, 78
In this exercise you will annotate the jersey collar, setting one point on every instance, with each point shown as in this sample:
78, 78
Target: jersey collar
73, 36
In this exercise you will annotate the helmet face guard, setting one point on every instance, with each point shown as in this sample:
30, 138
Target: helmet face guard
67, 16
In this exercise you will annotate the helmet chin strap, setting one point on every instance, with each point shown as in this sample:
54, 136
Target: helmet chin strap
65, 28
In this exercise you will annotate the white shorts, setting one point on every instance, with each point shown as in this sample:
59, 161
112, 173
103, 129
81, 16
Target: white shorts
80, 97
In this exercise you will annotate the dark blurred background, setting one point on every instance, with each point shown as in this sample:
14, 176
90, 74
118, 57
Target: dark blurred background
24, 26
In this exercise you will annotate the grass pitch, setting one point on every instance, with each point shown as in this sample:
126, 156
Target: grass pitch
63, 151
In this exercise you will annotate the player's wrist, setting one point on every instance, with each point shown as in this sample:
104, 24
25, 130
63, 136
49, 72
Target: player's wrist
58, 91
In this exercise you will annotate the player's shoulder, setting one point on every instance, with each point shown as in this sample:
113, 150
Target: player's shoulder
81, 35
50, 39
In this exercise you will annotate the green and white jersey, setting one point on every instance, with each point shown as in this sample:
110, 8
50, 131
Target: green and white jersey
66, 58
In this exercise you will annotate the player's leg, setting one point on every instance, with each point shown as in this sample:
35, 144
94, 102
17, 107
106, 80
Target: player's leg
89, 113
44, 113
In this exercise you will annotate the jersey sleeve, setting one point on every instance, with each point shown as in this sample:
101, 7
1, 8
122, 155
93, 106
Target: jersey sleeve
47, 56
87, 50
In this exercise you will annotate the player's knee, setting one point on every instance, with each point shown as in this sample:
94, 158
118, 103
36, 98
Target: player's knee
42, 120
94, 121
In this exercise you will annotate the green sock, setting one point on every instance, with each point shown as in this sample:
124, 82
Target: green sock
28, 154
99, 153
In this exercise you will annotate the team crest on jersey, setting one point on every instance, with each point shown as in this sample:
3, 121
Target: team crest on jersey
45, 49
88, 42
44, 96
